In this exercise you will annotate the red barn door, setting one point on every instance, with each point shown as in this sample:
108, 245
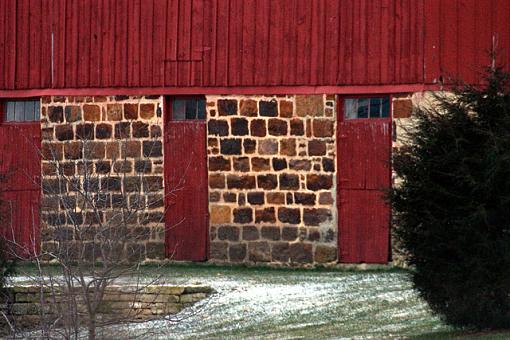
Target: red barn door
186, 201
20, 169
364, 173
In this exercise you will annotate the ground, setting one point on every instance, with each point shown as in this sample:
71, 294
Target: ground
288, 304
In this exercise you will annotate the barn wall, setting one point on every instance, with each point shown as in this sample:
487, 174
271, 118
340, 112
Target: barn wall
115, 145
271, 178
70, 44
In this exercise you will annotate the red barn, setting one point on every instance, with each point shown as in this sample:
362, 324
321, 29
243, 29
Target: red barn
276, 115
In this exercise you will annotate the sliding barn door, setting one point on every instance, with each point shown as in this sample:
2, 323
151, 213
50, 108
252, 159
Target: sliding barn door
186, 189
364, 176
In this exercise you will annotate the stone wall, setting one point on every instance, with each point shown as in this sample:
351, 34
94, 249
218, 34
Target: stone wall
272, 185
115, 140
25, 305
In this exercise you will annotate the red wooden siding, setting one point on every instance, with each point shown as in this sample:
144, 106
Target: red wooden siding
21, 192
186, 200
233, 43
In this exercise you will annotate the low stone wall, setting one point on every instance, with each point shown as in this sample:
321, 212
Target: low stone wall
27, 305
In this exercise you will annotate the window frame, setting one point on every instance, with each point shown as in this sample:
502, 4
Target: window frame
341, 105
168, 107
3, 112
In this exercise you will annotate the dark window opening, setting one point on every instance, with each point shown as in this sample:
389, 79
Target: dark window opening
188, 108
374, 107
16, 111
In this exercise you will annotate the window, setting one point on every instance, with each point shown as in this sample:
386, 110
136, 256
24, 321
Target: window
374, 107
21, 110
188, 108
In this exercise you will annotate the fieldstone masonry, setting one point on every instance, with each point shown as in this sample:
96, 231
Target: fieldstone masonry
272, 178
122, 138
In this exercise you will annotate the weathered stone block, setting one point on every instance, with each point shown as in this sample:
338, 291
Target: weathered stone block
219, 163
114, 112
243, 215
288, 147
72, 113
147, 111
267, 182
316, 147
217, 181
300, 164
259, 252
250, 233
228, 233
309, 105
73, 150
266, 215
230, 146
286, 109
103, 131
56, 114
217, 127
260, 164
280, 252
64, 132
304, 198
85, 131
268, 108
328, 164
140, 129
131, 148
91, 113
258, 128
241, 182
239, 126
268, 147
297, 127
277, 127
256, 198
271, 233
131, 111
248, 108
275, 198
227, 107
314, 217
279, 164
152, 149
325, 254
237, 252
220, 214
219, 251
289, 215
323, 128
289, 233
318, 182
249, 146
241, 164
289, 182
301, 252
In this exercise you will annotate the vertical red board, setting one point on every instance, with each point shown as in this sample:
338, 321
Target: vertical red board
21, 192
186, 215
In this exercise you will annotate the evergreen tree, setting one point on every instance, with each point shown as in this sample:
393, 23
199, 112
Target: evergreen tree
453, 204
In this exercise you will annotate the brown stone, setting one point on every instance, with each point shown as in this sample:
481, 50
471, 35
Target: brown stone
289, 182
239, 126
122, 130
73, 150
219, 163
56, 114
259, 252
318, 182
250, 233
140, 129
217, 181
243, 215
402, 108
314, 217
325, 254
114, 112
219, 251
220, 214
266, 215
112, 150
143, 166
288, 147
230, 146
131, 149
316, 148
301, 253
227, 107
237, 252
309, 105
268, 108
297, 127
156, 131
267, 182
214, 196
314, 234
260, 164
241, 182
277, 127
131, 111
328, 164
152, 149
289, 233
322, 128
47, 133
270, 233
300, 164
248, 108
217, 127
228, 233
280, 252
241, 164
275, 198
256, 198
279, 164
123, 167
85, 131
94, 150
73, 113
249, 146
289, 215
152, 183
91, 113
64, 132
268, 147
325, 198
146, 111
229, 197
258, 128
286, 109
103, 131
304, 198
